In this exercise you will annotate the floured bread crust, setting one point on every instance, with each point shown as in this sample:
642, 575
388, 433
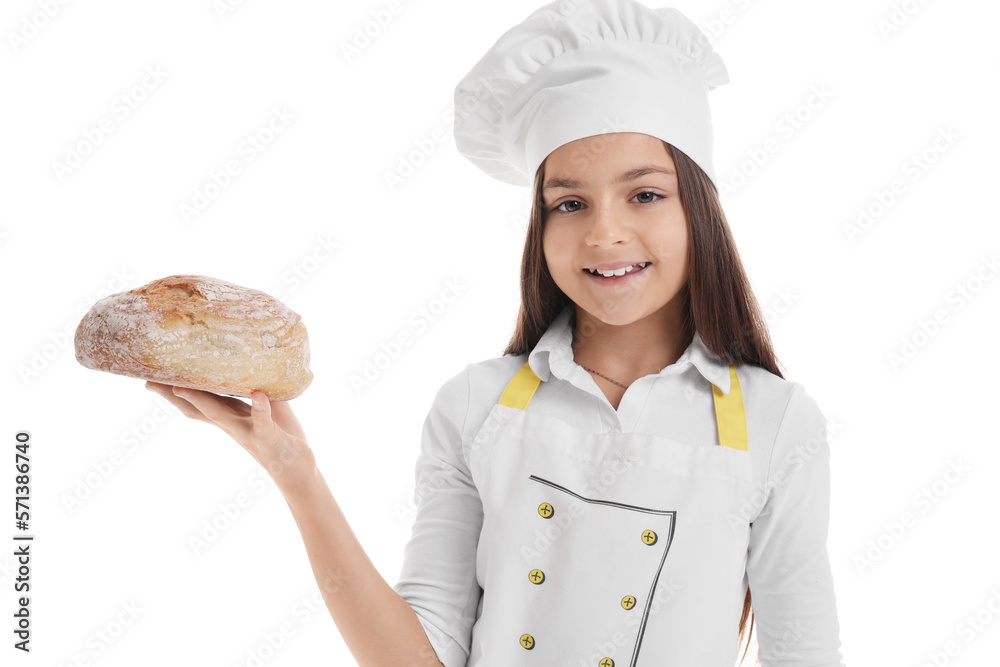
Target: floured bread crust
198, 332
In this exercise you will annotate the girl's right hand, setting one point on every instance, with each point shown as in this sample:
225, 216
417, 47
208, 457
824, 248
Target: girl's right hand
268, 431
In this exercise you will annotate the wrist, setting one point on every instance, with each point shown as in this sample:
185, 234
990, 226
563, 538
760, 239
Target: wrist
298, 479
292, 466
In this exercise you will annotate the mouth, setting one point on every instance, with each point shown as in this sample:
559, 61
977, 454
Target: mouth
623, 273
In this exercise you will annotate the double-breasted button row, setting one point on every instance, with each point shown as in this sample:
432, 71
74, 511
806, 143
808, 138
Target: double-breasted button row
537, 577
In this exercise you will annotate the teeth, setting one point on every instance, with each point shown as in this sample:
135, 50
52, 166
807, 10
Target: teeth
618, 272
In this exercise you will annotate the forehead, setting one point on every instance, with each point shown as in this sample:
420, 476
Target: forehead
617, 158
604, 154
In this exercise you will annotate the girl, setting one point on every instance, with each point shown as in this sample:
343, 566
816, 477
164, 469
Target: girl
613, 488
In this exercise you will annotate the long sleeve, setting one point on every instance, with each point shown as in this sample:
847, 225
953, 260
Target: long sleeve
788, 567
438, 576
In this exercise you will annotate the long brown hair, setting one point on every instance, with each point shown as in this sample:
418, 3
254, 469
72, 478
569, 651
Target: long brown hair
718, 301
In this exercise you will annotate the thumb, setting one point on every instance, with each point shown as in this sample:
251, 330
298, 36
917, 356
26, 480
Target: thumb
260, 412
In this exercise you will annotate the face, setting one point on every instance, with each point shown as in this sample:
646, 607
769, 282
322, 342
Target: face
592, 220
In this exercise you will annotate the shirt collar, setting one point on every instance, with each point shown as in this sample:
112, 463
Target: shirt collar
553, 355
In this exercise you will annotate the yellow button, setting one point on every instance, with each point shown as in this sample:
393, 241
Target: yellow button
628, 602
606, 662
536, 576
546, 511
649, 537
528, 642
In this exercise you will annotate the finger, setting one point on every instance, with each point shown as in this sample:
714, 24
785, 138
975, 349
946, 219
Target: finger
238, 406
215, 408
282, 408
264, 427
166, 391
284, 417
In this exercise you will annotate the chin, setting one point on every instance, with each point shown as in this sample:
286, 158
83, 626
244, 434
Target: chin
615, 314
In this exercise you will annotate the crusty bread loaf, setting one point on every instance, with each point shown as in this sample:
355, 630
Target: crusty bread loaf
198, 332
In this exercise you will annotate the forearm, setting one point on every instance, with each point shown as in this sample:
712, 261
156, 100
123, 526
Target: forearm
378, 625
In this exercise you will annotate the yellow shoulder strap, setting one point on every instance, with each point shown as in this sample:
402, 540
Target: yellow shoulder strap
521, 388
730, 415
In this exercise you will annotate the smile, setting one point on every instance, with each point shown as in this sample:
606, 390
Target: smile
626, 274
617, 273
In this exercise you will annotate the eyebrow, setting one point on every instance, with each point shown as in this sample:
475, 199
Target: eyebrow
629, 175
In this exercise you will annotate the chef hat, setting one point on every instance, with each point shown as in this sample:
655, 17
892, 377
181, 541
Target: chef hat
578, 68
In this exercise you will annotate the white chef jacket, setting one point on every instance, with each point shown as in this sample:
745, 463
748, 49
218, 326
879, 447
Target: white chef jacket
786, 563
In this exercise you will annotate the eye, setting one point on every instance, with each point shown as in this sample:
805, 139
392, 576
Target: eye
568, 201
648, 201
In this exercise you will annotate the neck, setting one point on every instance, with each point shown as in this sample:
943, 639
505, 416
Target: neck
629, 351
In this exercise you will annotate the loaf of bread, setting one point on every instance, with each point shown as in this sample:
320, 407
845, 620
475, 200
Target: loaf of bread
198, 332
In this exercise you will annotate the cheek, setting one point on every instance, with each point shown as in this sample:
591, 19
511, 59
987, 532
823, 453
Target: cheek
672, 253
556, 247
673, 250
672, 241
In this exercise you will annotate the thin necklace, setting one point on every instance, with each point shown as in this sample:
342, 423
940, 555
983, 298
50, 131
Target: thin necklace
606, 377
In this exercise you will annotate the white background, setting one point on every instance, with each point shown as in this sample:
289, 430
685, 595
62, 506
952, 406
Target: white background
837, 307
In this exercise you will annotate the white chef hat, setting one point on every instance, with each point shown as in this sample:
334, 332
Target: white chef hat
578, 68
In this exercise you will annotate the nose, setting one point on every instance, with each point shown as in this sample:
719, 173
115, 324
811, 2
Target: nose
607, 225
